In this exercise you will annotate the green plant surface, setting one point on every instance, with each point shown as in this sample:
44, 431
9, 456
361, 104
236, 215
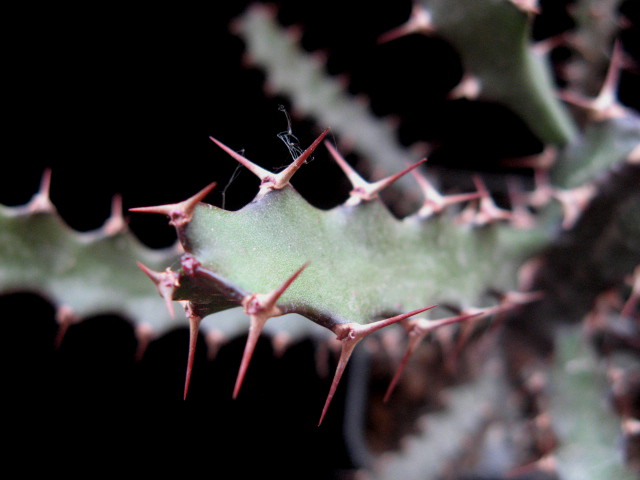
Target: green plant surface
87, 273
588, 429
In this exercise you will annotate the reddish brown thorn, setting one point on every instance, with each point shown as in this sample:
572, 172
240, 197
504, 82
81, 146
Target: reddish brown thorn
469, 88
574, 202
543, 192
417, 330
434, 201
255, 329
546, 464
418, 22
194, 324
215, 339
258, 171
634, 297
521, 217
488, 211
282, 178
144, 334
166, 283
375, 188
270, 180
361, 189
65, 317
350, 335
530, 7
354, 178
41, 201
606, 104
178, 213
115, 223
260, 308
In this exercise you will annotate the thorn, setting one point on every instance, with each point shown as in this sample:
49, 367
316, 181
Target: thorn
260, 308
521, 217
469, 88
353, 176
280, 342
270, 180
434, 201
115, 223
373, 189
634, 156
178, 213
544, 47
417, 330
282, 178
350, 335
540, 161
65, 317
488, 211
573, 203
258, 171
255, 328
361, 189
41, 201
543, 192
144, 334
530, 7
194, 324
215, 339
606, 104
419, 22
546, 464
634, 297
166, 283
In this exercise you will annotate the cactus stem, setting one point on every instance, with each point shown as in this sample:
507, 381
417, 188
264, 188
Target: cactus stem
417, 330
179, 213
194, 324
350, 335
191, 268
361, 189
166, 283
260, 308
419, 22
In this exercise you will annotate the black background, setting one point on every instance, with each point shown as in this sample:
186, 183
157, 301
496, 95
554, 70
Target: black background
118, 99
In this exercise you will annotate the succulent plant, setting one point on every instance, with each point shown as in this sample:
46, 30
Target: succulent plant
481, 291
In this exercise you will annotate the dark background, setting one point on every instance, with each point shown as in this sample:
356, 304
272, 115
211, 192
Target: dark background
118, 99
